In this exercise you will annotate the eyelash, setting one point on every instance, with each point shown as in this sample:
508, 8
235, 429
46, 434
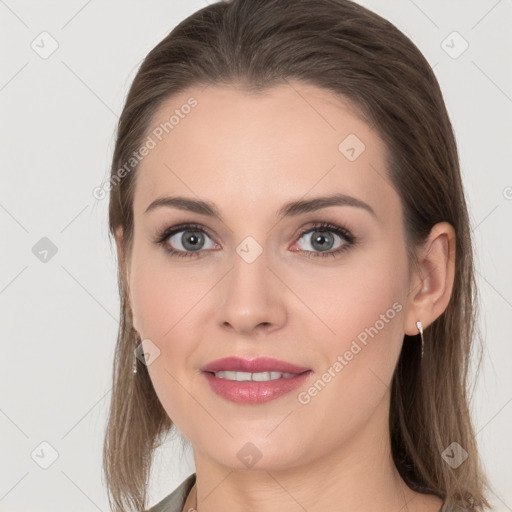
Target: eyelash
350, 239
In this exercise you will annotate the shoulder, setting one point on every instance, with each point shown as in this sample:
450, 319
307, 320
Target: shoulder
175, 501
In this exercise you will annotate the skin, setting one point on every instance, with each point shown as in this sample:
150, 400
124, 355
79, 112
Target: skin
250, 154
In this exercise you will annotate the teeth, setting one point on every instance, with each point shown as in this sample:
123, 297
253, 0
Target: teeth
258, 377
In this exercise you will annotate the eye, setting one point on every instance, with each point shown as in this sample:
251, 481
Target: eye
320, 240
185, 241
190, 240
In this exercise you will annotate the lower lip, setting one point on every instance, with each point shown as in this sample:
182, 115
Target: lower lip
249, 392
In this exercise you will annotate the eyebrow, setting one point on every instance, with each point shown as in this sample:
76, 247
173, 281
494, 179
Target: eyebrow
290, 209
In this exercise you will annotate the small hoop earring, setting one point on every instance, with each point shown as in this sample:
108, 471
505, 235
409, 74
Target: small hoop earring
420, 329
134, 367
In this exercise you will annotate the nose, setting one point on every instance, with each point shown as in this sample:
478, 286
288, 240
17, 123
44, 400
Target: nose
251, 297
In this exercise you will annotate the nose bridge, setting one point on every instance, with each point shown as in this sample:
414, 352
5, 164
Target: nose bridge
250, 266
250, 295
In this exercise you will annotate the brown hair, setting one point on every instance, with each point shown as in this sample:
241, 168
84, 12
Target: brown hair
356, 54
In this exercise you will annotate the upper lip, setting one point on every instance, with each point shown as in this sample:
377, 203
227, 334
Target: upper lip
260, 364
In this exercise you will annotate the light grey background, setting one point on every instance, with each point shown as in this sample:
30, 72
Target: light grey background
59, 317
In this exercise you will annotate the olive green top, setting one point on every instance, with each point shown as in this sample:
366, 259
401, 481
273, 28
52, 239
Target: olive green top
176, 500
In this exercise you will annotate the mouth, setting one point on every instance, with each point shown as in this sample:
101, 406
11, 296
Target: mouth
253, 381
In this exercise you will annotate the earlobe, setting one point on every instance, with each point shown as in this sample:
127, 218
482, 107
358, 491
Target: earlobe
432, 284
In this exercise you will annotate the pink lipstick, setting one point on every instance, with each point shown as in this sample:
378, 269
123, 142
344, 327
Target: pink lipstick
253, 381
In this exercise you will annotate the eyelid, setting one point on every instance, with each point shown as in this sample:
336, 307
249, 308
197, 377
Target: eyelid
328, 226
169, 231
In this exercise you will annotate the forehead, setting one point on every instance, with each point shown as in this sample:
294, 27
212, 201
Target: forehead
254, 150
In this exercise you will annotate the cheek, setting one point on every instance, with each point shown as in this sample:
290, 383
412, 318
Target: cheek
364, 315
166, 303
364, 291
352, 386
363, 307
162, 295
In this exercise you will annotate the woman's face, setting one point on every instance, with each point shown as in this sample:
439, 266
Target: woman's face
263, 280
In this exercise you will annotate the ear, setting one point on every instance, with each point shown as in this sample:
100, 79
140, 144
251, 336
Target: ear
432, 281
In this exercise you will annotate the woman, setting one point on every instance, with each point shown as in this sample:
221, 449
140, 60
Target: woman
295, 269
